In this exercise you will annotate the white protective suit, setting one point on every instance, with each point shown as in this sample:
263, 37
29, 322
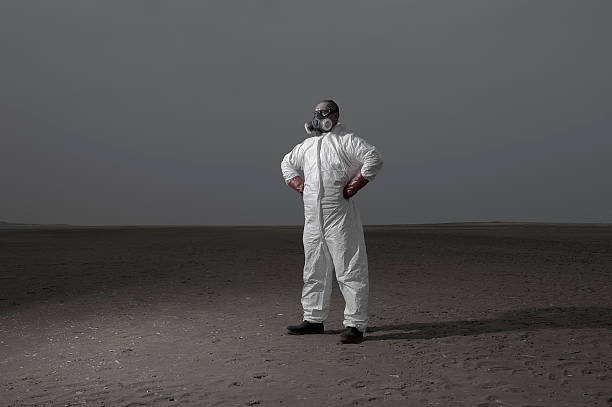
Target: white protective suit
333, 233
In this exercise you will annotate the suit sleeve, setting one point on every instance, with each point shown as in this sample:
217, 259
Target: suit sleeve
293, 163
367, 155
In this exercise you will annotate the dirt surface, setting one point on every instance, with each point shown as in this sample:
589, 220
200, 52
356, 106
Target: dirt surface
460, 315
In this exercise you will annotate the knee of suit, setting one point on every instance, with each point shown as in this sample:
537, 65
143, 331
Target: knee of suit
354, 283
314, 283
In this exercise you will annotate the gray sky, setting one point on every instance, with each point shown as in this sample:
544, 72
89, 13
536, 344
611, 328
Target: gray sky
179, 112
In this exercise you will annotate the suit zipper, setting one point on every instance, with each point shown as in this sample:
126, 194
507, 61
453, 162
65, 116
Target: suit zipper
320, 193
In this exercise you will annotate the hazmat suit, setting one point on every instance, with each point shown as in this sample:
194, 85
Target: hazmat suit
333, 234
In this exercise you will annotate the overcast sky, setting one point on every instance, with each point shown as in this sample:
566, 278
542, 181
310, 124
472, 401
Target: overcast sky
179, 112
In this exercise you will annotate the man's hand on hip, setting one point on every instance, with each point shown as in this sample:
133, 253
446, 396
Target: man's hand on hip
297, 184
354, 185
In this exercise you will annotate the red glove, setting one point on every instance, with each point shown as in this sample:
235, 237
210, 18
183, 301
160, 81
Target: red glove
354, 185
297, 184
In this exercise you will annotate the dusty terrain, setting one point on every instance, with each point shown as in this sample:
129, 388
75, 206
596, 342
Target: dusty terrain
461, 315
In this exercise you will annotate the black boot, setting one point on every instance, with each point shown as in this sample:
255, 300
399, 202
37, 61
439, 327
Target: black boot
306, 328
351, 335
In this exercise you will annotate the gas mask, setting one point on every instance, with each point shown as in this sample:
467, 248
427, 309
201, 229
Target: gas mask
322, 121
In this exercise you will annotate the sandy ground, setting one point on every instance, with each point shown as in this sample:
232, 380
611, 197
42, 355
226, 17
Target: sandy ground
461, 315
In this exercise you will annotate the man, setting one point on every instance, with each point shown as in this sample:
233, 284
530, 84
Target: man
328, 169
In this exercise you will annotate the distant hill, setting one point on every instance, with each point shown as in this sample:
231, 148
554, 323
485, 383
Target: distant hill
13, 225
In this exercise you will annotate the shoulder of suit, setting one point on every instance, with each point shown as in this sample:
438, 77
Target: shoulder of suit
346, 135
307, 141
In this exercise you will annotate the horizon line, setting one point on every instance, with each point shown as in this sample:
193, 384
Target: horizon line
8, 225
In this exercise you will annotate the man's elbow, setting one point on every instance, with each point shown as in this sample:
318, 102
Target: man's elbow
370, 171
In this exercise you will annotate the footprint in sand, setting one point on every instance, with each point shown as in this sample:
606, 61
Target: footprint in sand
493, 366
354, 382
260, 375
361, 400
492, 385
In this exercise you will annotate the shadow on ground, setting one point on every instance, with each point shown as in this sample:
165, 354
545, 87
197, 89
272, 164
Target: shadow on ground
534, 318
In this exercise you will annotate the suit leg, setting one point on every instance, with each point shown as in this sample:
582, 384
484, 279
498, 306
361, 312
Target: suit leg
318, 269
